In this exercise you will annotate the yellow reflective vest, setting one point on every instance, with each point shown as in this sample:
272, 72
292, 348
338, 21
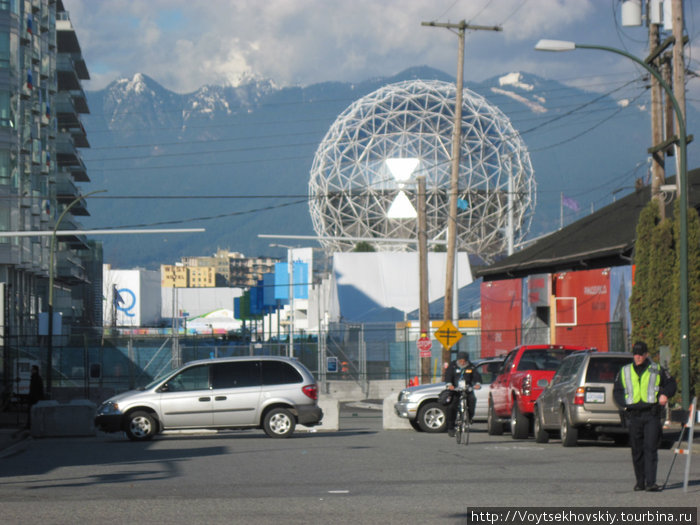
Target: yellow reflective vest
644, 389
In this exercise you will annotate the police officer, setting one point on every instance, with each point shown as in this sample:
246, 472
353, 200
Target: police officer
642, 389
460, 373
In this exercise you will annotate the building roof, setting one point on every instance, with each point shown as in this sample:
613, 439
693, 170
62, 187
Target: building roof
600, 240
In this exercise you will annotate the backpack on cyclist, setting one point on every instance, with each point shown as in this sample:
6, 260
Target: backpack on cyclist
445, 397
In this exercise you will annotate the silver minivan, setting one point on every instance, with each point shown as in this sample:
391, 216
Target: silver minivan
272, 393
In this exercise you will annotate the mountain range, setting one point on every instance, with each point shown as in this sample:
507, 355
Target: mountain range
236, 160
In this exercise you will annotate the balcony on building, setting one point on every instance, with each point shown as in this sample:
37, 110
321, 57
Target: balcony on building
67, 191
69, 158
67, 42
70, 268
75, 242
68, 119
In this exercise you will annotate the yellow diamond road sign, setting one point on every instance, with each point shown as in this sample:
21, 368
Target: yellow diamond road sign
448, 335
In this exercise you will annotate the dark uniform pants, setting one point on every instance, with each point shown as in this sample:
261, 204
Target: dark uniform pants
451, 409
645, 431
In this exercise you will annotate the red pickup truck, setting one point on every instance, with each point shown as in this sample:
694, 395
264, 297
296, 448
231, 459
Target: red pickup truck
514, 391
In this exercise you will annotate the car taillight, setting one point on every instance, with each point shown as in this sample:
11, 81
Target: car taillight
527, 385
311, 391
578, 396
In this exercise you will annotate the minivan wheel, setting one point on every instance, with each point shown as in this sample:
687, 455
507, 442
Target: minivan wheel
518, 423
569, 433
279, 423
541, 435
141, 426
431, 417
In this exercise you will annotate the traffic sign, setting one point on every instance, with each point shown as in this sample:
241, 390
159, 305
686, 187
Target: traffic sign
448, 335
424, 345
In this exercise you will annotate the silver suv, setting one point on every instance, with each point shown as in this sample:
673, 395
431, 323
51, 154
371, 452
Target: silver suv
419, 404
579, 399
272, 393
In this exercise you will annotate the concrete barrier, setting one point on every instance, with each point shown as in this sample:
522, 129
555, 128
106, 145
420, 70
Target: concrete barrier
331, 416
51, 419
390, 421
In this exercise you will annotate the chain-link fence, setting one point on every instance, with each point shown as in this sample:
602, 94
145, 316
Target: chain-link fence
99, 366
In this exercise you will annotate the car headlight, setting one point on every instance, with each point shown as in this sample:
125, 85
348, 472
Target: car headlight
404, 395
108, 408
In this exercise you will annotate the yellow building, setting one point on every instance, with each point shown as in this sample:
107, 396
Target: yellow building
173, 276
202, 276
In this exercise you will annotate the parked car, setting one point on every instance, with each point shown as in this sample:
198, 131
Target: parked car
513, 392
419, 404
272, 393
579, 400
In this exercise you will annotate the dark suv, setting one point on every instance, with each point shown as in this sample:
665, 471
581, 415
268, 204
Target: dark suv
579, 400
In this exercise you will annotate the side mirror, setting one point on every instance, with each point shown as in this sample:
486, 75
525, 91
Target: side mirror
164, 388
542, 383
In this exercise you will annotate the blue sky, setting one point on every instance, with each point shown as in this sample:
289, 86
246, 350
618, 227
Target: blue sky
184, 44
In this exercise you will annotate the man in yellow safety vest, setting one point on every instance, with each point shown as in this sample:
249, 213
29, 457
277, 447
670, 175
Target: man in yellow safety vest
642, 389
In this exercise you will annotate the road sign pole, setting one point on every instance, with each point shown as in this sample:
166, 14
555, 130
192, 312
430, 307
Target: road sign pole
425, 346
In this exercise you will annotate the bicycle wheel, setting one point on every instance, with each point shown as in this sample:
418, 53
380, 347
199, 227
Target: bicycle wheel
467, 427
458, 428
462, 422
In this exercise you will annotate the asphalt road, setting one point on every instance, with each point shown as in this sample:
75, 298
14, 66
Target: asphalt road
361, 474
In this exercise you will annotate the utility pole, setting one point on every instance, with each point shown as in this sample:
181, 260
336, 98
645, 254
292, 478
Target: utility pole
678, 70
424, 308
461, 27
658, 174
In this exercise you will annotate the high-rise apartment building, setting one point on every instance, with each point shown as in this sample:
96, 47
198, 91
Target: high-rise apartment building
41, 99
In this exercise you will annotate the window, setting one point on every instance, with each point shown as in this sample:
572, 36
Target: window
4, 49
236, 375
605, 369
195, 378
279, 373
5, 168
5, 110
541, 359
488, 371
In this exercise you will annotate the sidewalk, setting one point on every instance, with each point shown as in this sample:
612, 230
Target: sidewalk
13, 432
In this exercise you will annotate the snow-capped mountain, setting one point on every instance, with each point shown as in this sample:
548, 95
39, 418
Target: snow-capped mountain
245, 152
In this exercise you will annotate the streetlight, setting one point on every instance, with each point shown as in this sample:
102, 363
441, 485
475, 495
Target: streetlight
561, 45
52, 249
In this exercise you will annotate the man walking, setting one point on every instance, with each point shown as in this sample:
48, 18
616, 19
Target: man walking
642, 389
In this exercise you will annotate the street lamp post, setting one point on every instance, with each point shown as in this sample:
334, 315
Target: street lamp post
559, 45
52, 249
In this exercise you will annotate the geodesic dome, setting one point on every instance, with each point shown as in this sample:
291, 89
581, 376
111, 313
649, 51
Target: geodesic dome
363, 177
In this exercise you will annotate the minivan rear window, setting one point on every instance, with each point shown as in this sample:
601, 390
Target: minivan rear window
279, 373
236, 374
605, 369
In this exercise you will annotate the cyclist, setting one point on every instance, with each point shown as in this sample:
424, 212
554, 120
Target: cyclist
460, 373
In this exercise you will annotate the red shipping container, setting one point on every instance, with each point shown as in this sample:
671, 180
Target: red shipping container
589, 292
501, 316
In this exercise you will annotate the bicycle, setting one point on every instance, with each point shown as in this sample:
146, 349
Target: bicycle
463, 421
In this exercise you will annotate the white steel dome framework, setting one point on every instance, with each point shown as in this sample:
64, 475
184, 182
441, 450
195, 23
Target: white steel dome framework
363, 177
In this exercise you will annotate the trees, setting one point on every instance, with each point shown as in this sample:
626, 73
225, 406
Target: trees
655, 299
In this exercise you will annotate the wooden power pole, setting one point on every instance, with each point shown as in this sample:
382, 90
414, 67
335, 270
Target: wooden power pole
424, 308
461, 27
658, 174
